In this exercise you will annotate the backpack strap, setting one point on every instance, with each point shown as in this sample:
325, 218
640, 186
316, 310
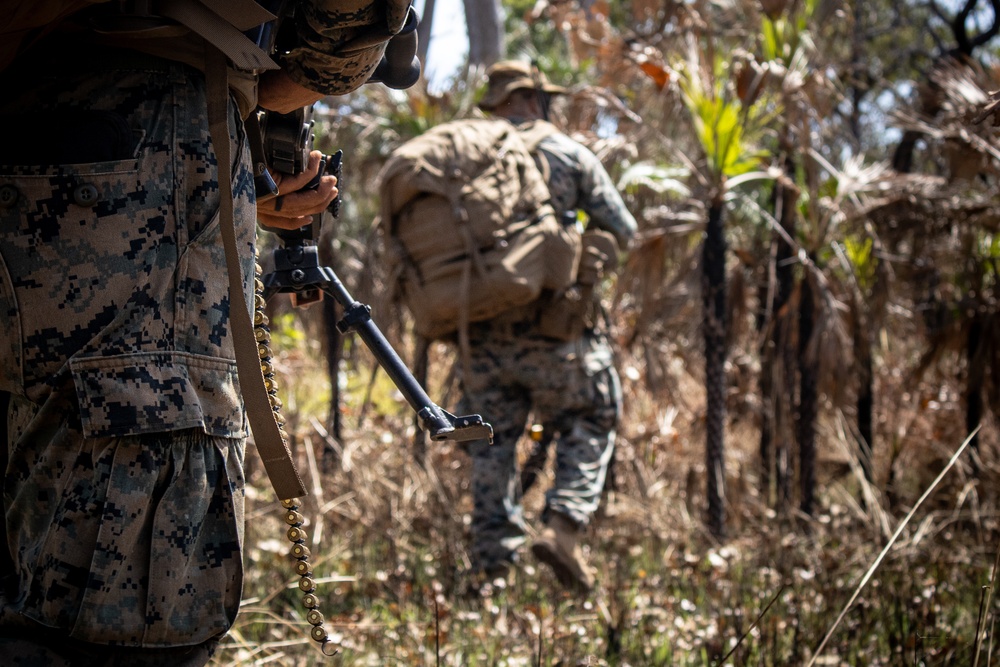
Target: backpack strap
533, 133
221, 23
472, 262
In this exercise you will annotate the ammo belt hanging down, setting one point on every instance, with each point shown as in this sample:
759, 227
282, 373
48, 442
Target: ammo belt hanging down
272, 445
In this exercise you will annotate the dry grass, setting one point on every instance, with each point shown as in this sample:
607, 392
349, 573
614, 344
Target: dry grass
389, 542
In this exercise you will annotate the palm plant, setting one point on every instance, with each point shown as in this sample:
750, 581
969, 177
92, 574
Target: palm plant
799, 312
724, 128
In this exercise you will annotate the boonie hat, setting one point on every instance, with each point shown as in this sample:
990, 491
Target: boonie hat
509, 75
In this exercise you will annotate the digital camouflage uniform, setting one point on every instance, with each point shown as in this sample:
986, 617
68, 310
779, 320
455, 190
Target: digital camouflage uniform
570, 386
123, 488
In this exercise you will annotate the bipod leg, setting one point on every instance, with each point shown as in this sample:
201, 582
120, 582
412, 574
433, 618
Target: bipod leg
440, 424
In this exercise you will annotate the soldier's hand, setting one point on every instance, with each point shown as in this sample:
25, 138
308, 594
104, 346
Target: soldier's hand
294, 206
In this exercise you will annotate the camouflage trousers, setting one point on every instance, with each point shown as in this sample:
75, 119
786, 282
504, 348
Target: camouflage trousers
123, 481
38, 646
571, 387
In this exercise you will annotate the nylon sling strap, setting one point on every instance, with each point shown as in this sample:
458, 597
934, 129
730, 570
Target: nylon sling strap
220, 23
271, 446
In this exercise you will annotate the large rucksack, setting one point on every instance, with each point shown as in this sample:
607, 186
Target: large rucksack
468, 226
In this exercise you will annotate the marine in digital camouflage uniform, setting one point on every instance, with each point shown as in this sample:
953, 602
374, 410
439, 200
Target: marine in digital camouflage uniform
519, 369
124, 427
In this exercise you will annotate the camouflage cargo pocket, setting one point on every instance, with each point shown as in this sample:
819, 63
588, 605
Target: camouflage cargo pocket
69, 252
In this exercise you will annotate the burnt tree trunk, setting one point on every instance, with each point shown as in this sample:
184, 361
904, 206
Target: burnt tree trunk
974, 380
862, 330
420, 367
775, 362
767, 366
865, 401
806, 425
714, 331
334, 353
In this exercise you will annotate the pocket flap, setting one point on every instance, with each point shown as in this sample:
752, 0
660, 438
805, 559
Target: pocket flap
156, 392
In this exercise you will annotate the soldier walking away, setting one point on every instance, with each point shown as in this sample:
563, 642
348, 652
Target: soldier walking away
123, 428
551, 358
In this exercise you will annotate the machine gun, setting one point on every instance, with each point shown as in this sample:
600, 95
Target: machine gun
288, 140
283, 143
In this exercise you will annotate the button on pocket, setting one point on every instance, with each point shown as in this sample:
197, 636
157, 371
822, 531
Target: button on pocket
85, 195
8, 196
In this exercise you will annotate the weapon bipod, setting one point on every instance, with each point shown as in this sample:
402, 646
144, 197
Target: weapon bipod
297, 271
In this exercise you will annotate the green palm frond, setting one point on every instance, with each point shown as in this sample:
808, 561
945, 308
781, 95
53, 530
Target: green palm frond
784, 36
858, 251
723, 126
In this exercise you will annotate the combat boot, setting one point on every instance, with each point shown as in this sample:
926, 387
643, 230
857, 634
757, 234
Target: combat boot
557, 547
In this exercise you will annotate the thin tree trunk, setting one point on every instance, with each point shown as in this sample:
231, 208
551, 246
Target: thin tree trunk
862, 337
334, 353
777, 367
767, 425
334, 346
865, 400
424, 31
767, 367
858, 63
484, 22
420, 368
714, 330
902, 157
974, 381
808, 368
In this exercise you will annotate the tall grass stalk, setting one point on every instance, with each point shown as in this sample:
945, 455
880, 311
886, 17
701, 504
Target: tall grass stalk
984, 611
753, 625
892, 541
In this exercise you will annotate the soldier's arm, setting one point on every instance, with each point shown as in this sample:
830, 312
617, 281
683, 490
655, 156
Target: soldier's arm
601, 200
296, 205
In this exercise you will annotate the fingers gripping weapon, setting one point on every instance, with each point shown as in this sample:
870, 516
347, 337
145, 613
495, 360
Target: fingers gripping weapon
297, 271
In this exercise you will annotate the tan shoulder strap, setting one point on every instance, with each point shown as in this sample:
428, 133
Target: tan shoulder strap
274, 451
533, 134
221, 23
